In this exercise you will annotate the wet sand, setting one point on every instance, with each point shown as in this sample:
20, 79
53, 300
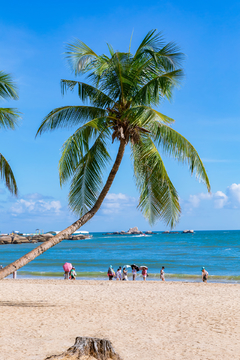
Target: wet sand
145, 321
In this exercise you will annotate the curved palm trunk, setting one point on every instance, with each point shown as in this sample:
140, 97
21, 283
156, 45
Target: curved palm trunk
9, 269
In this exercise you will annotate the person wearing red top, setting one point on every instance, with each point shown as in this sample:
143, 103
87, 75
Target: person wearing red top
144, 273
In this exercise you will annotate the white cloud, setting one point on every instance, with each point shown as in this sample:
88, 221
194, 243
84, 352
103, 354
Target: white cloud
114, 203
233, 192
220, 199
116, 197
35, 206
196, 199
228, 199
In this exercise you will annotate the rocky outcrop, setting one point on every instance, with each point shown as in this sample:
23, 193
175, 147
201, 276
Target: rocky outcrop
88, 348
6, 239
188, 231
134, 231
148, 232
40, 237
20, 240
32, 239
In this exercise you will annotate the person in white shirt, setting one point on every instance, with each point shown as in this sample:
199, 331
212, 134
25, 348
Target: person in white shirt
204, 274
162, 276
119, 273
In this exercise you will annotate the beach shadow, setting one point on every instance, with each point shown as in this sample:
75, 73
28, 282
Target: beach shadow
24, 304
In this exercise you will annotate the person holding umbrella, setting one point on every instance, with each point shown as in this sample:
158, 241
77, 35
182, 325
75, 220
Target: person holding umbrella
67, 267
135, 269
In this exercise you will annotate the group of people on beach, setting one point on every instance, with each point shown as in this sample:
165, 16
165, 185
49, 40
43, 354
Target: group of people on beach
123, 274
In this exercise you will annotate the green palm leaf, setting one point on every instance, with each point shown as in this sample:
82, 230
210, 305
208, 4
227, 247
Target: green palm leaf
68, 116
7, 175
7, 87
178, 147
158, 197
9, 118
77, 145
87, 182
80, 56
143, 115
158, 87
88, 93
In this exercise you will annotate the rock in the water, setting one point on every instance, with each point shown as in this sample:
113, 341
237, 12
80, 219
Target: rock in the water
148, 232
88, 348
188, 231
134, 231
41, 237
7, 239
20, 240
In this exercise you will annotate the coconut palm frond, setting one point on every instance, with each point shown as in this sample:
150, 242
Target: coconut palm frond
178, 147
8, 89
157, 88
158, 197
144, 116
80, 57
87, 181
7, 175
9, 118
77, 145
152, 41
69, 116
88, 93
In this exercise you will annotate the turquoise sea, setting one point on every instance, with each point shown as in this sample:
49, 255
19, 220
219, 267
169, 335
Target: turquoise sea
183, 255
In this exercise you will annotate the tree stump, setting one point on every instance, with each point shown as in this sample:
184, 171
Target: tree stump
88, 347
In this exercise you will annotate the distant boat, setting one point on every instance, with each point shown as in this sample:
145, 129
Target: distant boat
81, 232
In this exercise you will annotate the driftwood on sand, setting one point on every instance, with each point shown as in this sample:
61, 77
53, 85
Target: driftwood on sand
88, 348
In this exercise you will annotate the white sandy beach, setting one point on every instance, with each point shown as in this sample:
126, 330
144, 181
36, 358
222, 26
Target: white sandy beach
147, 321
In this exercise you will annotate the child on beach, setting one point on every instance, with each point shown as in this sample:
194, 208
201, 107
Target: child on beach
162, 276
204, 274
73, 274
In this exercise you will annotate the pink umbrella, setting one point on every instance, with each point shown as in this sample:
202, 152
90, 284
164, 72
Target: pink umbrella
67, 267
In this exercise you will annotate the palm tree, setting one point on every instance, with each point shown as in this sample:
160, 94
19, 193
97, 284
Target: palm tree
124, 91
8, 120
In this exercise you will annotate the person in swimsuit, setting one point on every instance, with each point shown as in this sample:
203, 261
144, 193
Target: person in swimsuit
134, 272
144, 273
204, 274
111, 272
162, 276
125, 274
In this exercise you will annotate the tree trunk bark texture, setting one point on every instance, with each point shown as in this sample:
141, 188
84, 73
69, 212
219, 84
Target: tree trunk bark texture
9, 269
88, 348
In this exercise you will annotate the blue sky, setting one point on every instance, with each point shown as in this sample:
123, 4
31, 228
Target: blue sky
206, 108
